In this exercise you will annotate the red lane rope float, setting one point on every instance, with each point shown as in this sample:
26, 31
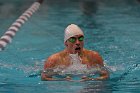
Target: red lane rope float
11, 32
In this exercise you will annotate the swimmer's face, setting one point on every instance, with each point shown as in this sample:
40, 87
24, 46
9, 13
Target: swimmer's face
75, 44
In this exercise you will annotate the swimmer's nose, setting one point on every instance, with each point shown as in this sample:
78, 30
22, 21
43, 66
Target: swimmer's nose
77, 42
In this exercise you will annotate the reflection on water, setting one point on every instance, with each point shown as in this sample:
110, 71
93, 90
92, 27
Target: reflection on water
89, 9
97, 87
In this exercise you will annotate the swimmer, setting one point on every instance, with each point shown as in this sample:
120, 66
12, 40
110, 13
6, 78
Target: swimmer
74, 45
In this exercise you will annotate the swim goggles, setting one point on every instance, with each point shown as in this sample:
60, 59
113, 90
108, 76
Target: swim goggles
73, 39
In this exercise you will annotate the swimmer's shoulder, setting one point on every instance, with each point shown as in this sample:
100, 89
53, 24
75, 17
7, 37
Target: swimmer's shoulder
91, 52
57, 55
94, 54
52, 60
96, 57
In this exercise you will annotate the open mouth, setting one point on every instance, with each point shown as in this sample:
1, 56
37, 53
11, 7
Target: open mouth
78, 48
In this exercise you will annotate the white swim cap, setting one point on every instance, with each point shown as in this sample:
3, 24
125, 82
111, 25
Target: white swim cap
71, 31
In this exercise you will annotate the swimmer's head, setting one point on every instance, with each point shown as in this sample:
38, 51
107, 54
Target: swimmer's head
71, 31
74, 39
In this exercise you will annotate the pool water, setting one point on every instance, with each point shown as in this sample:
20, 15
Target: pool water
111, 27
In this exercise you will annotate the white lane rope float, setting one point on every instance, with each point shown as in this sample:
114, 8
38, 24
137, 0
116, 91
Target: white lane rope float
11, 32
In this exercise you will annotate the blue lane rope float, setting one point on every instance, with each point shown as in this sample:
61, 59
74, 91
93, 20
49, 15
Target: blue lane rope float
11, 32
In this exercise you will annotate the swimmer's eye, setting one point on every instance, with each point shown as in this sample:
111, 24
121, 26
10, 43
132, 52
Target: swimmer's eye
73, 39
81, 38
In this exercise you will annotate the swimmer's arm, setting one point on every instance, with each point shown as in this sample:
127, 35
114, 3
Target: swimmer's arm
49, 63
104, 74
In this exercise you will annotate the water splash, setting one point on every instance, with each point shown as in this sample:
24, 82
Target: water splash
27, 70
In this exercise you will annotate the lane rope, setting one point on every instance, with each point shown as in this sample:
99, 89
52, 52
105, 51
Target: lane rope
11, 32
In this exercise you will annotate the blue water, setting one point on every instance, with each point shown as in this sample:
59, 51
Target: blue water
111, 27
